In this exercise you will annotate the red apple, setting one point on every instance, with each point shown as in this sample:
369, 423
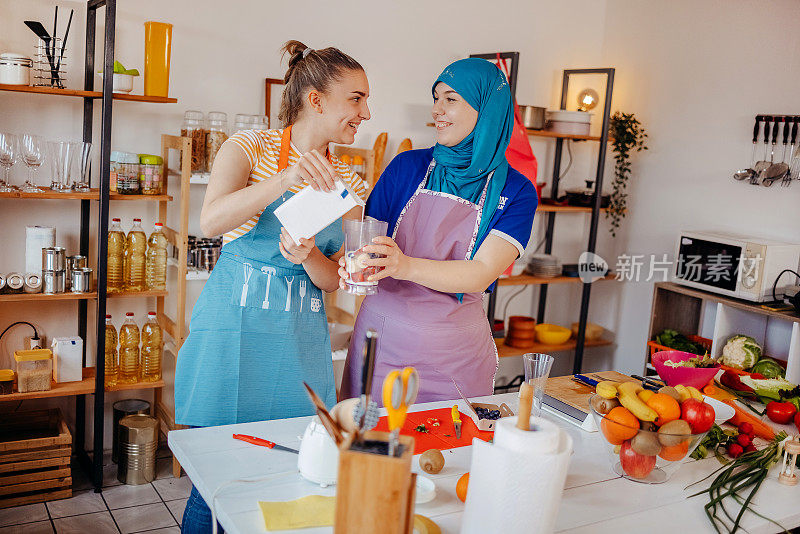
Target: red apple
635, 464
700, 415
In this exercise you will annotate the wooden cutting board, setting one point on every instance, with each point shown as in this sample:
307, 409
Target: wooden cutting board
575, 394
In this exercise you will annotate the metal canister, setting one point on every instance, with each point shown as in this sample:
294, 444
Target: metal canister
54, 259
2, 283
138, 440
205, 258
81, 280
121, 409
74, 262
15, 282
33, 283
53, 282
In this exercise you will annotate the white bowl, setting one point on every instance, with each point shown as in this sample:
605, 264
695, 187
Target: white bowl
121, 83
722, 411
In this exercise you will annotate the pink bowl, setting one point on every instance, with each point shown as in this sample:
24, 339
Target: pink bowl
688, 376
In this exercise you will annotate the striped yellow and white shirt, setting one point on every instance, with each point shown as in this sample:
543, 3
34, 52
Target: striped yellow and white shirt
263, 149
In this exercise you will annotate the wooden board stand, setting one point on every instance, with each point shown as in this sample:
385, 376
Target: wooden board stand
35, 450
375, 493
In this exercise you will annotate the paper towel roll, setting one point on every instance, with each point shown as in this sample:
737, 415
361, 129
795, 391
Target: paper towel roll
516, 483
37, 238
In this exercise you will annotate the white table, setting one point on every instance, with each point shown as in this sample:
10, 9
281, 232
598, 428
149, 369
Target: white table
595, 498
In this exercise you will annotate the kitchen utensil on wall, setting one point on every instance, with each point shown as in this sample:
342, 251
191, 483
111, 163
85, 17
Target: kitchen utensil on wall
793, 156
777, 171
748, 173
532, 117
775, 129
61, 155
157, 49
762, 164
9, 154
32, 152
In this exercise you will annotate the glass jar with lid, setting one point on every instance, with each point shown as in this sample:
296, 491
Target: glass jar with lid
216, 135
194, 127
260, 122
150, 174
15, 69
124, 173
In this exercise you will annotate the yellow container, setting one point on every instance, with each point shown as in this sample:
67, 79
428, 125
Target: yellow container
157, 48
34, 370
551, 334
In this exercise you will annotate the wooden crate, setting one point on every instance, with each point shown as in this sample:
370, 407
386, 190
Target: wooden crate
35, 450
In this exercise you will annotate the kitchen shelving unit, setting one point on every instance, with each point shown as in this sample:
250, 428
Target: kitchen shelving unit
578, 344
93, 377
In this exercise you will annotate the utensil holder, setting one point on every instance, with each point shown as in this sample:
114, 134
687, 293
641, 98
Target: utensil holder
375, 492
49, 64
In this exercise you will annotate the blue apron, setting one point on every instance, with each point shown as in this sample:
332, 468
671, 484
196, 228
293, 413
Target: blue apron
257, 332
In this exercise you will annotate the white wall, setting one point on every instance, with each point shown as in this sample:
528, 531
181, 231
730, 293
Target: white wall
695, 73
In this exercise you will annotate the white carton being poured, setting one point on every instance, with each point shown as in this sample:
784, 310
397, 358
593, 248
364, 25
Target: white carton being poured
309, 211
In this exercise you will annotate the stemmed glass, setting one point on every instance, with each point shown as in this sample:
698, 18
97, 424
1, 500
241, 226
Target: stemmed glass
33, 156
84, 157
9, 154
61, 153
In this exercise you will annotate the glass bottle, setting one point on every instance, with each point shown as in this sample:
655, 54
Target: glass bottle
128, 351
152, 341
116, 257
111, 361
156, 263
135, 249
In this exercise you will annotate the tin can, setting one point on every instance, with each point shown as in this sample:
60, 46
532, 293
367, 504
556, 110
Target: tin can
53, 259
81, 280
53, 282
74, 262
2, 283
33, 283
15, 282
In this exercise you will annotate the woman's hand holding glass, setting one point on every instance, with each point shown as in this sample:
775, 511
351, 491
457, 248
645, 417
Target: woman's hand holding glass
293, 252
390, 261
312, 168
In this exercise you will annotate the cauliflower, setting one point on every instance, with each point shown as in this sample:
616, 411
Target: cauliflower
741, 352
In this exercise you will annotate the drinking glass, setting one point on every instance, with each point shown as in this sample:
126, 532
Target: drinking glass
357, 234
33, 156
9, 154
61, 153
537, 369
83, 154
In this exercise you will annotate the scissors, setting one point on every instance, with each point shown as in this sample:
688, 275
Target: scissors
400, 390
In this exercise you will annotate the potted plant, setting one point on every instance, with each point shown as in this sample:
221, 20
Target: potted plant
627, 135
123, 78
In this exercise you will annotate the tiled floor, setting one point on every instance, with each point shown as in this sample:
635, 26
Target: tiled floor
155, 508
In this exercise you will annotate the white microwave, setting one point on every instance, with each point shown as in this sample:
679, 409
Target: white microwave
735, 266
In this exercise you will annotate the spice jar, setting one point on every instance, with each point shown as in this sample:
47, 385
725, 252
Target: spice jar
216, 135
193, 127
242, 121
15, 69
124, 173
34, 369
150, 174
6, 381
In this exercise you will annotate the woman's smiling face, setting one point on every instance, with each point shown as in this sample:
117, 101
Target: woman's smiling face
344, 106
453, 117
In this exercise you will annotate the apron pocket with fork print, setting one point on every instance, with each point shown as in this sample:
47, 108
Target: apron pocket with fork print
261, 286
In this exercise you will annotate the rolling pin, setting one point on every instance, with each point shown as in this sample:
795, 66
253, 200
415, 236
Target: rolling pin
525, 401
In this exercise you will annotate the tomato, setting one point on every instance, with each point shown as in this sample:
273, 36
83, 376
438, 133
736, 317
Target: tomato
781, 412
635, 464
797, 421
698, 414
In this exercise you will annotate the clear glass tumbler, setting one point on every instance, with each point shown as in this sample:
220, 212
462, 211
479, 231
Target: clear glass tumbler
61, 154
83, 156
357, 234
537, 370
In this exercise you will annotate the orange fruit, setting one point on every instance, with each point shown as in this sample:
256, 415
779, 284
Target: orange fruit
667, 408
619, 424
673, 453
461, 487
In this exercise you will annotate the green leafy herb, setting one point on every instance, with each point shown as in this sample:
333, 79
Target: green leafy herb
422, 428
120, 69
626, 134
675, 340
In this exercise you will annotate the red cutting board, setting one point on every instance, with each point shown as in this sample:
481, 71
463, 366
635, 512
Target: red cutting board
438, 437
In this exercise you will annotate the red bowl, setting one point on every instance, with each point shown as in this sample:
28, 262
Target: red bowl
688, 376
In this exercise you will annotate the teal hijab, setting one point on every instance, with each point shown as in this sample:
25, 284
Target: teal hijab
462, 170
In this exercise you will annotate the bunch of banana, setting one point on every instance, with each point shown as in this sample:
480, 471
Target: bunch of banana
634, 397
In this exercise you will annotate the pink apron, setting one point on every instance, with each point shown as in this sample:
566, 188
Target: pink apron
427, 329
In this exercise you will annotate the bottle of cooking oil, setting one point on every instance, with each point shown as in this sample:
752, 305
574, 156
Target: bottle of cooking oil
156, 265
151, 349
116, 257
112, 364
128, 351
135, 248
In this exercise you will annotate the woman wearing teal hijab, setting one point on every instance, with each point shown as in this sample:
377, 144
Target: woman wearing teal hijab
458, 216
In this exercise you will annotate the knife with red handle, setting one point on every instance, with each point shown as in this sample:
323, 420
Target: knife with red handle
263, 443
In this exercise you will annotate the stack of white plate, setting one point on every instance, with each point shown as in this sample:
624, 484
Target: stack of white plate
544, 266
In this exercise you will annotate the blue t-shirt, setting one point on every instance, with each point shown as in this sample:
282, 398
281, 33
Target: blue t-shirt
512, 221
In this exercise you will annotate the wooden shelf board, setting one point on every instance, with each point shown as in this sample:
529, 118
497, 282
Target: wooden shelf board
94, 194
64, 389
159, 198
86, 94
527, 280
39, 297
545, 133
138, 385
504, 351
547, 208
134, 294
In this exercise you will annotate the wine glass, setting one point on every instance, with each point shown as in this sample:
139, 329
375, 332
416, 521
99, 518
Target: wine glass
9, 154
33, 156
61, 153
84, 157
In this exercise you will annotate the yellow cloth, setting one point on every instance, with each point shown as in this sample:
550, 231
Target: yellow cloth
318, 511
